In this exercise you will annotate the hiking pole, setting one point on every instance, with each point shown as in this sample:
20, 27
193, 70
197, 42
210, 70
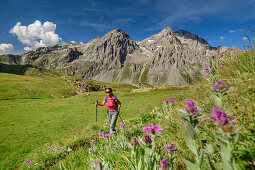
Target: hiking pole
96, 113
121, 119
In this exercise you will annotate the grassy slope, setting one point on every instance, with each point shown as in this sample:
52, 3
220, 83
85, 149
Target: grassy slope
239, 74
26, 82
29, 126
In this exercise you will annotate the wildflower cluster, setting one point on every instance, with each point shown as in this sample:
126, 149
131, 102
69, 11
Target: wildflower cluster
53, 147
94, 138
166, 107
211, 70
171, 100
152, 129
226, 142
102, 134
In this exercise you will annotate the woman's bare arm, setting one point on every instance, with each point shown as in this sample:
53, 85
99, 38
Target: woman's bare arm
119, 105
102, 104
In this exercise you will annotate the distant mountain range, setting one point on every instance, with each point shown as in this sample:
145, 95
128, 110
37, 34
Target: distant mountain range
168, 57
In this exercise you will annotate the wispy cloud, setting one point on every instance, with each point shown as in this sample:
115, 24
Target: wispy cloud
221, 37
244, 38
183, 11
98, 26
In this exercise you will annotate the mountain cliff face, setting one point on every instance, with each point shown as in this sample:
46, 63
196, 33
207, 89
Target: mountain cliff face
165, 58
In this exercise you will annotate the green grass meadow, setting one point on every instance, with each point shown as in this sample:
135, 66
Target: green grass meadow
30, 123
39, 109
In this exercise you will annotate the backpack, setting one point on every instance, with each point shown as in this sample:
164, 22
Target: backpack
114, 97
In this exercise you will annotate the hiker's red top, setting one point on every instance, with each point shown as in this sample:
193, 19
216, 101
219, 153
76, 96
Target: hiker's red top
112, 104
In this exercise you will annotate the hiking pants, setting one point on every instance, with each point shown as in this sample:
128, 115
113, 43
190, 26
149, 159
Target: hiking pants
112, 117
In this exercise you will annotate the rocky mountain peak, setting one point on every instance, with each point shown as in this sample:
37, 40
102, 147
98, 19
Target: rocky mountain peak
116, 33
190, 39
166, 31
165, 38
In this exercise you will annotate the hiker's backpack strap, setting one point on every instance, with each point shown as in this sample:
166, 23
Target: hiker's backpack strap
116, 103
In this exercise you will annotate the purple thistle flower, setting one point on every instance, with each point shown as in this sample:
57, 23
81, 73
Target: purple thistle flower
101, 134
146, 139
164, 163
220, 116
137, 115
158, 129
162, 103
170, 146
220, 86
146, 128
152, 128
28, 161
93, 137
107, 135
56, 146
172, 99
122, 125
90, 149
207, 69
134, 142
210, 66
191, 108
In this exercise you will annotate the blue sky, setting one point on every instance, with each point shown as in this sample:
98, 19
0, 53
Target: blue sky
47, 22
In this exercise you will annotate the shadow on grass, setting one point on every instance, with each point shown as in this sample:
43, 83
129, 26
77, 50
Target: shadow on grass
14, 69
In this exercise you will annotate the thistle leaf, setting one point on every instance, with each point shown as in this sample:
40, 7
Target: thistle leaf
218, 102
182, 113
209, 149
190, 165
190, 138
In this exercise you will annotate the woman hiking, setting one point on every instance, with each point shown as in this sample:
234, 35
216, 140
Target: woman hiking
113, 108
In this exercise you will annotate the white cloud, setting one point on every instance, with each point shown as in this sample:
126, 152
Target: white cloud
72, 41
81, 43
244, 38
6, 48
36, 35
231, 31
221, 37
